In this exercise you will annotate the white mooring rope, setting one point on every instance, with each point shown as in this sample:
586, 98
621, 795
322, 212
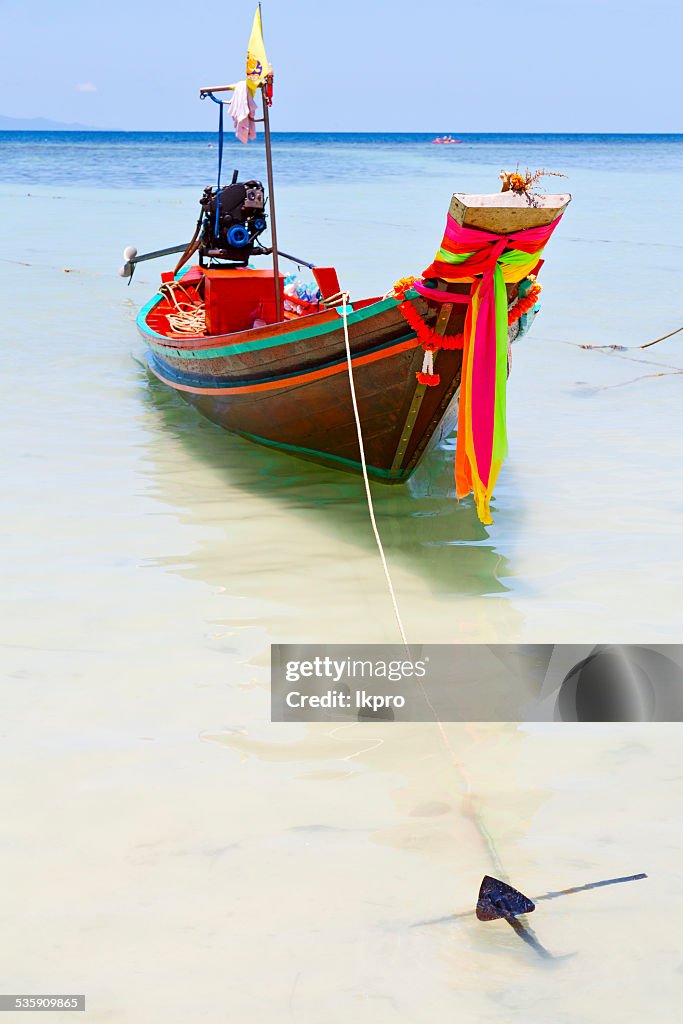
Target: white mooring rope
349, 363
469, 797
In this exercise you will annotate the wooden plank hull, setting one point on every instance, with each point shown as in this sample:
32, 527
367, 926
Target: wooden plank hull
287, 386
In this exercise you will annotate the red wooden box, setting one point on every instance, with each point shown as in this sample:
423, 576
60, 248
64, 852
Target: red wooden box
235, 298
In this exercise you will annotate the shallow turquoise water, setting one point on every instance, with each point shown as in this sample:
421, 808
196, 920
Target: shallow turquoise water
151, 559
588, 504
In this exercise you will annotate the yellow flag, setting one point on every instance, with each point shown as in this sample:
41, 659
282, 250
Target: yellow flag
257, 62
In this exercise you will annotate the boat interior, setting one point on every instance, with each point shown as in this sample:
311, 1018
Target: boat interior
207, 301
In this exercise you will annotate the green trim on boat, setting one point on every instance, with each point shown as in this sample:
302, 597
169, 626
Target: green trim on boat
259, 344
322, 456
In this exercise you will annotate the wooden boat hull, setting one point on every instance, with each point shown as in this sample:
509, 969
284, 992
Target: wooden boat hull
287, 386
285, 383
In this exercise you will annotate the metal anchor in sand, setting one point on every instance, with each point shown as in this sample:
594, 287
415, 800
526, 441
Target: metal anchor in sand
499, 900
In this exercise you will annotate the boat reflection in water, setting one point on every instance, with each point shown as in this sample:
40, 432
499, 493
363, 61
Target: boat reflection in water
314, 516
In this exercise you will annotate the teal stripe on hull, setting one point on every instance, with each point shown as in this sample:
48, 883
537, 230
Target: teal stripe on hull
338, 460
177, 376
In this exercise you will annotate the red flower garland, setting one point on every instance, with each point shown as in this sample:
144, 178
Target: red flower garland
428, 337
432, 341
430, 379
523, 305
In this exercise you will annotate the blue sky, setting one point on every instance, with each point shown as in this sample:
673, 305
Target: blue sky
351, 65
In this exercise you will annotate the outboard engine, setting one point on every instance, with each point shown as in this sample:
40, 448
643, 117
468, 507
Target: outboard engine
234, 217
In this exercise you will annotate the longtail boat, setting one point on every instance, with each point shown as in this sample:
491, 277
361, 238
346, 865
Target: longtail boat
275, 368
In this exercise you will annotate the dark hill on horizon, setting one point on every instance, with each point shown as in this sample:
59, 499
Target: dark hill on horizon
40, 124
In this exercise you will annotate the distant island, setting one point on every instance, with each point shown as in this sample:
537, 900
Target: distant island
40, 124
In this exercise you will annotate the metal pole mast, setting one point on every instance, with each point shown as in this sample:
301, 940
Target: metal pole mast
271, 202
266, 93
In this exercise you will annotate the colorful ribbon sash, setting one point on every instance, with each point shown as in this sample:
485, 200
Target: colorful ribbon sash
488, 261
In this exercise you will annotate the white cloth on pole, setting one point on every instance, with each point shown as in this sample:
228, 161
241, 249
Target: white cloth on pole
242, 110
